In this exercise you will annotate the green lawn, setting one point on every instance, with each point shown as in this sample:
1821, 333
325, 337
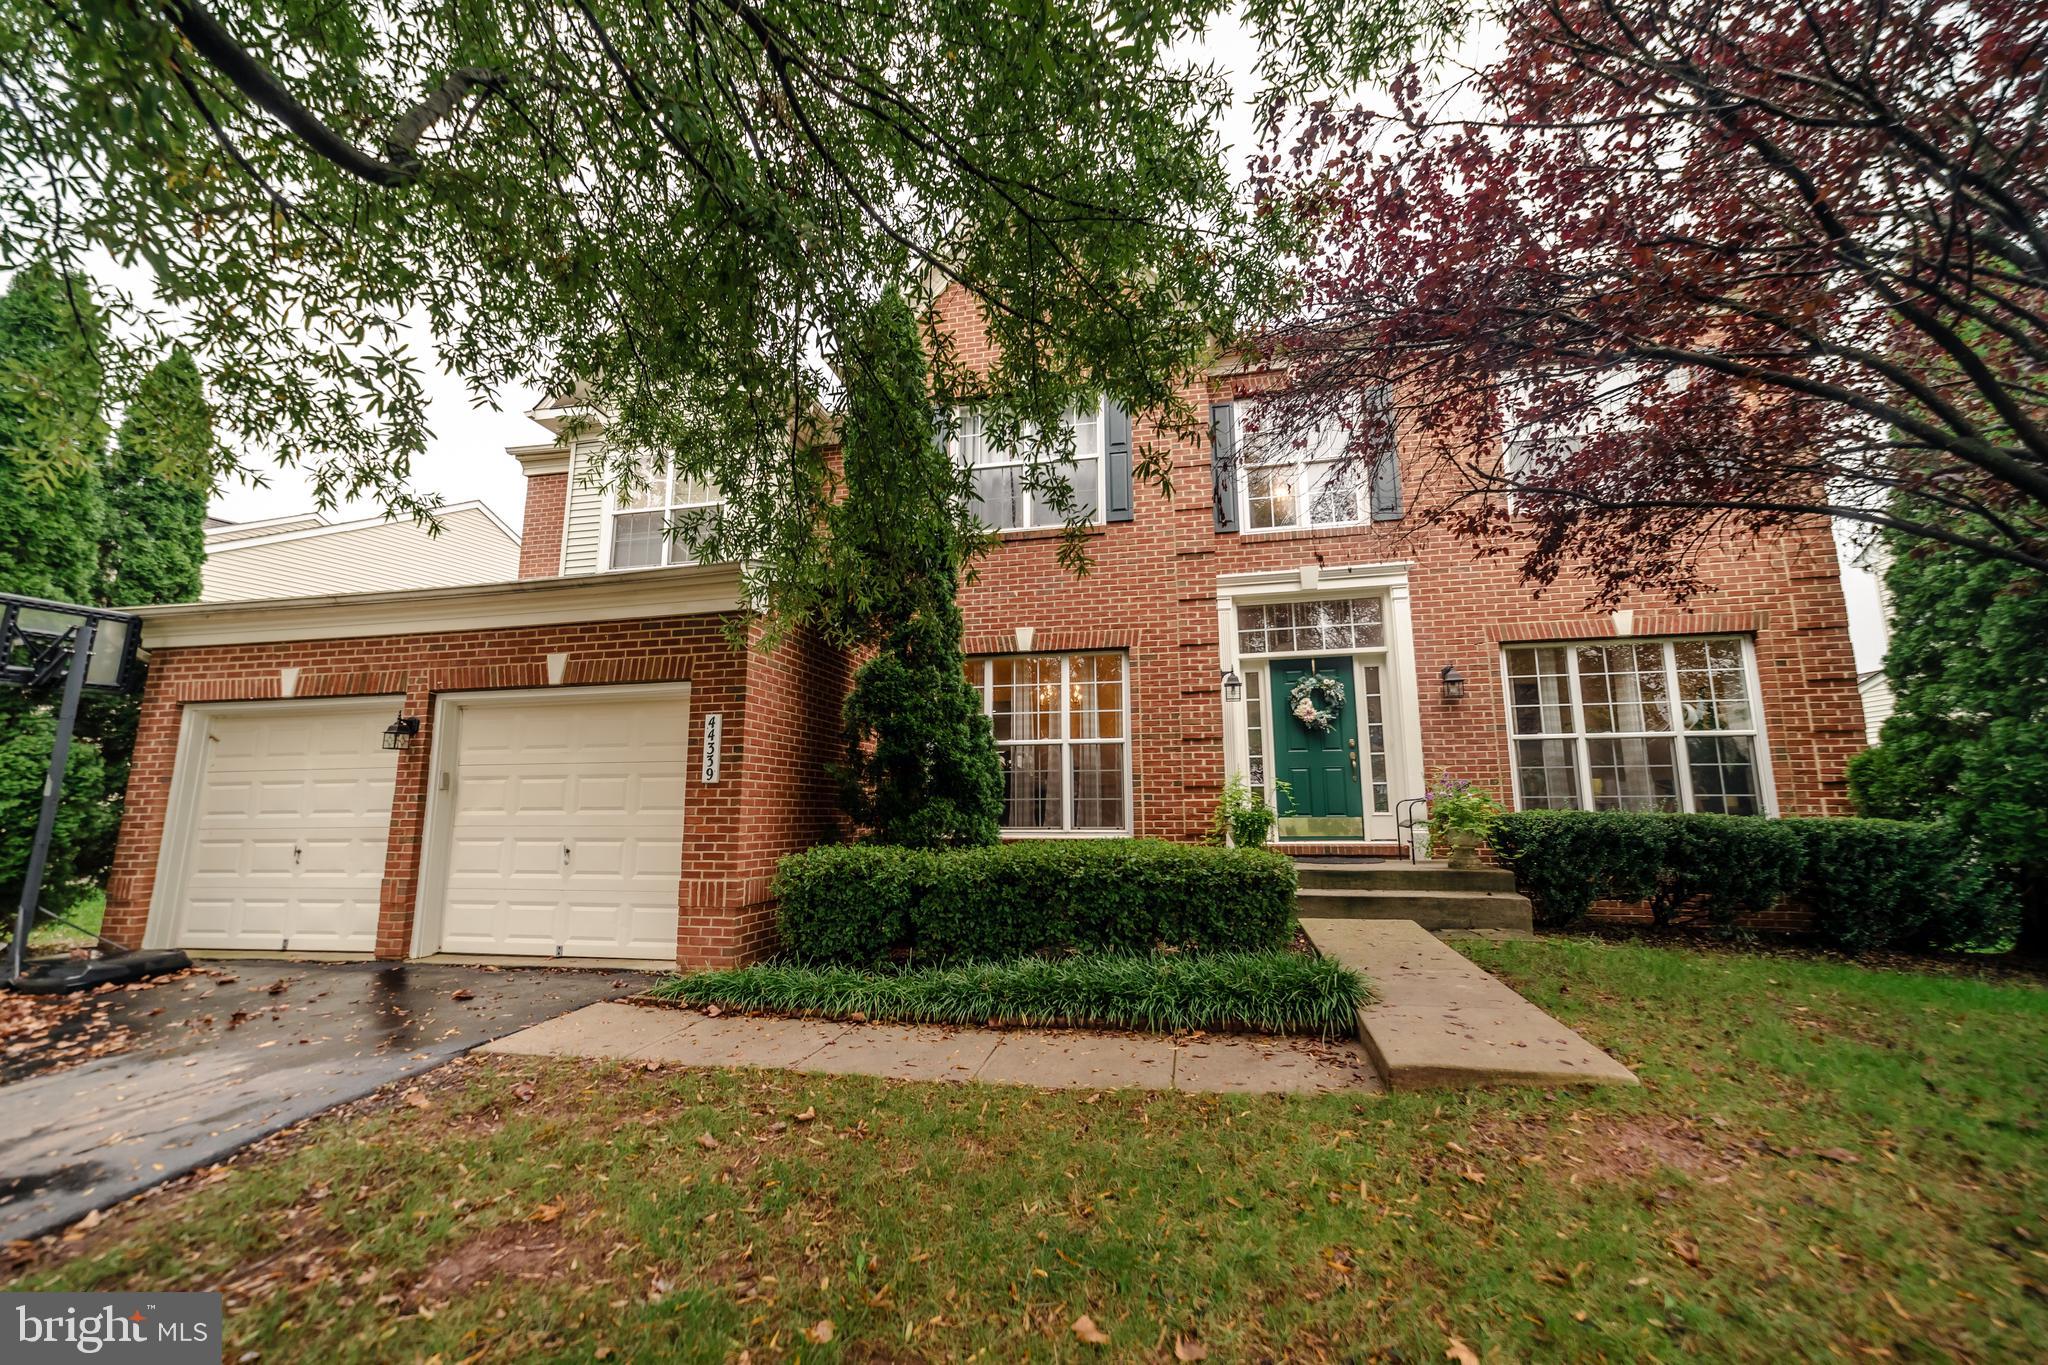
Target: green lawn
86, 914
1825, 1163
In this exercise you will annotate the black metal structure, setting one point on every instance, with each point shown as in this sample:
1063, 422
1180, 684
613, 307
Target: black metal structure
87, 647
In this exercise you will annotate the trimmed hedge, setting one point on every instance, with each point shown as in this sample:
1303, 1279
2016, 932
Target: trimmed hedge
1276, 991
1868, 883
855, 903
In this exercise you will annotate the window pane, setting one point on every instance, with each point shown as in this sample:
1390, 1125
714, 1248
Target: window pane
970, 442
1335, 499
1082, 478
1271, 495
1723, 774
1098, 786
1623, 688
1549, 774
1027, 698
998, 498
1095, 696
1540, 691
637, 540
1031, 786
1255, 726
650, 488
1633, 774
1375, 736
1713, 687
1087, 425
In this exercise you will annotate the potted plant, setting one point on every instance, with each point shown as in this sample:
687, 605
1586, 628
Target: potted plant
1461, 815
1242, 816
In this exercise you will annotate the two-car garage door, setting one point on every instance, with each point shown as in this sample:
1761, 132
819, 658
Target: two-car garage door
554, 829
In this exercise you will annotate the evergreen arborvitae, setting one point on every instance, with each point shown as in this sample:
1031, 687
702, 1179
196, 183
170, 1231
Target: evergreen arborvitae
153, 540
1968, 741
922, 769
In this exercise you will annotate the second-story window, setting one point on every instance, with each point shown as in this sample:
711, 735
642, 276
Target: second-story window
642, 530
1002, 497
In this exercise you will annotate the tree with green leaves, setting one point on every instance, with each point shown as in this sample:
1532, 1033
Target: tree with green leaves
52, 446
1968, 741
52, 437
675, 209
153, 539
921, 767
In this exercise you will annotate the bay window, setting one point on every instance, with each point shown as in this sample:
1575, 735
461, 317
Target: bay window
1061, 730
1657, 725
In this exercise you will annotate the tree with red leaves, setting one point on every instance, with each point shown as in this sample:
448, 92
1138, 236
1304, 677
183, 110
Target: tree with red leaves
1705, 267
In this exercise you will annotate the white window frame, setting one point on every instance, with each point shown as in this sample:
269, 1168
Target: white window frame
673, 550
1305, 494
1582, 754
1020, 462
1067, 830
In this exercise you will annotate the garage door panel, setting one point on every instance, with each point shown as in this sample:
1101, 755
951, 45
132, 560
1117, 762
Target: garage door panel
289, 821
603, 776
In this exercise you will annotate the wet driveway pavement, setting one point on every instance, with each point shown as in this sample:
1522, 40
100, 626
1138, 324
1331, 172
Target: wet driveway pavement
236, 1051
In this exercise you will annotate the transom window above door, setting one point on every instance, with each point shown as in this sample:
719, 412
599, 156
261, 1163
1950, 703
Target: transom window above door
648, 526
1311, 627
1002, 497
1658, 725
1061, 726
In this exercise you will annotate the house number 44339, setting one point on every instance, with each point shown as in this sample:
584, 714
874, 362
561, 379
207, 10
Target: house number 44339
714, 731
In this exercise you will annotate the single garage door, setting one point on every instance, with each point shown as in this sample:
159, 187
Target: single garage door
565, 832
290, 810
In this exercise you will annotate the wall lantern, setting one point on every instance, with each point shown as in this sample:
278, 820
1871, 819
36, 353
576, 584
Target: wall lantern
1233, 686
399, 733
1454, 683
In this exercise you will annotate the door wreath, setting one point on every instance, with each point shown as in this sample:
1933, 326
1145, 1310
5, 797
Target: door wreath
1316, 701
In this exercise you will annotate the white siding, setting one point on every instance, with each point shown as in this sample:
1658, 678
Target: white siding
1877, 702
583, 519
380, 557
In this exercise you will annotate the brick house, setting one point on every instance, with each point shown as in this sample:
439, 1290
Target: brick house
600, 770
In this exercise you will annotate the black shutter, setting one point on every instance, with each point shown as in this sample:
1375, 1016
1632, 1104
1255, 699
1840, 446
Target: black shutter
1116, 462
1386, 464
1223, 465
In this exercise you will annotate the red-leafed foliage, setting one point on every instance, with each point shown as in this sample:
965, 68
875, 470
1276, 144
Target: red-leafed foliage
1702, 267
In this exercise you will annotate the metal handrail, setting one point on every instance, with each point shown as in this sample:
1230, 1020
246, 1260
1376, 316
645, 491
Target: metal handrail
1405, 822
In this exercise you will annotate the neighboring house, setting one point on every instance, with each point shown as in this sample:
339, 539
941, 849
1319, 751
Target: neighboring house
1878, 703
308, 555
600, 772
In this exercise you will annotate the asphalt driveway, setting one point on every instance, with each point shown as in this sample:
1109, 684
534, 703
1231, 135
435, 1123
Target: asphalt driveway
237, 1051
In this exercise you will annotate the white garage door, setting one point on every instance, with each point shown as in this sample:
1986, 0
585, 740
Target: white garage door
286, 848
565, 837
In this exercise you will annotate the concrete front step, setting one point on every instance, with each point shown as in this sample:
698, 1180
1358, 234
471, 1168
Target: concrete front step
1430, 909
1401, 876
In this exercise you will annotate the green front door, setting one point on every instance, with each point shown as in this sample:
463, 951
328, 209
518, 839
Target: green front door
1322, 797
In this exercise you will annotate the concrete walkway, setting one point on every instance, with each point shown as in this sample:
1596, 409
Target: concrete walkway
1441, 1022
1053, 1059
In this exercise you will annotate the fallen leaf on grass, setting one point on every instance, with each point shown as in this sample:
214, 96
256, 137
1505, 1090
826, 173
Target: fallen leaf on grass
522, 1092
820, 1331
707, 1142
1684, 1250
546, 1213
1186, 1348
807, 1115
1840, 1156
1458, 1351
1086, 1330
417, 1100
1476, 1177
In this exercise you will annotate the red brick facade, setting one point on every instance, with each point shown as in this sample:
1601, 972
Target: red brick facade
1153, 591
773, 795
540, 536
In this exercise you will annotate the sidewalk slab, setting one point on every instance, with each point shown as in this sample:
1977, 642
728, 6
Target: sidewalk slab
1440, 1021
1051, 1059
1065, 1060
608, 1029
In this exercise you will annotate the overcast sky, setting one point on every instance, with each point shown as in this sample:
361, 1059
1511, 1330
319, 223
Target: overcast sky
466, 459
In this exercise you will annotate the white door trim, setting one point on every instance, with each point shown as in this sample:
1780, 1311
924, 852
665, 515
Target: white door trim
438, 821
188, 774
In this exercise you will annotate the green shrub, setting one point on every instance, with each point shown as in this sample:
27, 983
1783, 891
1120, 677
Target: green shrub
1868, 883
1897, 884
1275, 991
1120, 895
